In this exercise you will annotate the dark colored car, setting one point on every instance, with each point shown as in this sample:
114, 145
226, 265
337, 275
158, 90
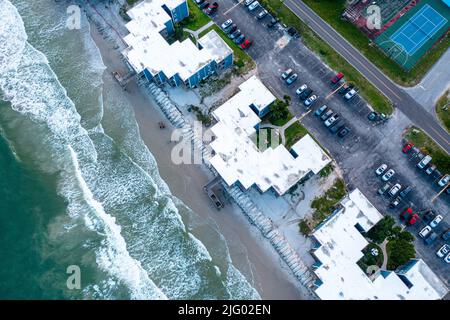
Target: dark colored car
431, 238
272, 22
326, 115
292, 32
235, 34
446, 235
429, 215
321, 110
343, 132
231, 28
204, 5
305, 94
239, 39
406, 191
336, 126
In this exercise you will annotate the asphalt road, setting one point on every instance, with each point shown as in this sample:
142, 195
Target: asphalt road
403, 101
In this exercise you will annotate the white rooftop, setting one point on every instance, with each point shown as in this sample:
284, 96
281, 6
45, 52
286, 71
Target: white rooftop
238, 158
147, 48
341, 249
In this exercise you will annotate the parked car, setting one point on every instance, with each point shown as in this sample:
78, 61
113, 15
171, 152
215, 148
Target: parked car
246, 44
395, 189
326, 115
320, 110
292, 32
253, 6
331, 120
444, 180
248, 2
414, 218
423, 163
349, 95
292, 78
434, 223
235, 34
261, 14
406, 191
343, 132
336, 126
447, 258
431, 238
407, 147
394, 203
384, 188
406, 214
388, 175
337, 78
239, 39
429, 215
226, 24
211, 9
204, 5
311, 100
199, 2
443, 251
272, 22
430, 169
305, 94
425, 232
345, 88
302, 88
286, 74
446, 235
382, 168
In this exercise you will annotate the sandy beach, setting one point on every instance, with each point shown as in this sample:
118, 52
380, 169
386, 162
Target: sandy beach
270, 276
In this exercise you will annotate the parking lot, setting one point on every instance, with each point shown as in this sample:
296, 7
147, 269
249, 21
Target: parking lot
366, 146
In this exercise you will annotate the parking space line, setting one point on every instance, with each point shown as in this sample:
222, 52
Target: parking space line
226, 12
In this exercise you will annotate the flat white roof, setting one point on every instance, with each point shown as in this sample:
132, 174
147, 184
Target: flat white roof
238, 158
341, 248
147, 48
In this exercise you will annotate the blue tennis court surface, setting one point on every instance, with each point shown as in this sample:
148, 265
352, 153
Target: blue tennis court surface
417, 30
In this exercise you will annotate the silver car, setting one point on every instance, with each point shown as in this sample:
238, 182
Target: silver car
388, 175
381, 169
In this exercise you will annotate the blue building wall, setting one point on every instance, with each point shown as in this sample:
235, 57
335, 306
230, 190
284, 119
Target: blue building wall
202, 74
181, 12
169, 27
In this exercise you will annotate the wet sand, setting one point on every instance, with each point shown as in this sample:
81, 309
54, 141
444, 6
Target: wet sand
270, 276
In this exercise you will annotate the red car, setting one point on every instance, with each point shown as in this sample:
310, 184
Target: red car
413, 219
337, 78
406, 214
247, 43
407, 147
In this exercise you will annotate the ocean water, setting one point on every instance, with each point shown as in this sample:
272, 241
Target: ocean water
78, 188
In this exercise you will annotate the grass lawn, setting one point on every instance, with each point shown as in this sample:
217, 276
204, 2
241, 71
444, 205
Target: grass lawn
374, 97
331, 10
425, 143
294, 133
442, 109
241, 58
196, 19
279, 122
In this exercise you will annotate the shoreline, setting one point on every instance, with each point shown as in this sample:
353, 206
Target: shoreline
272, 279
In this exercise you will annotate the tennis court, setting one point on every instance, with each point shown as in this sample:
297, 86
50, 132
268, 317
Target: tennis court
416, 32
421, 27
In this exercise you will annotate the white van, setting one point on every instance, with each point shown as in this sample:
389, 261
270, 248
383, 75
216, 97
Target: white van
423, 163
253, 6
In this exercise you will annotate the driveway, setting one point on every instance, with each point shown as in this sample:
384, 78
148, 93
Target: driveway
366, 147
